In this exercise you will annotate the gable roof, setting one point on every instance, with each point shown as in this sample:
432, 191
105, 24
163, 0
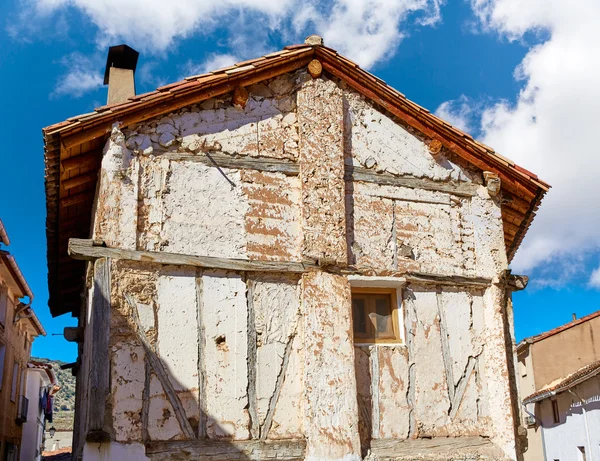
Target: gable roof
564, 384
555, 331
73, 150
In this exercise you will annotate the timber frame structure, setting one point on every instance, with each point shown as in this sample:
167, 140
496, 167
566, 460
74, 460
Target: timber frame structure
73, 152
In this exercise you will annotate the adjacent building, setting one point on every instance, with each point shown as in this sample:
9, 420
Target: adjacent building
19, 327
40, 389
554, 367
568, 414
284, 259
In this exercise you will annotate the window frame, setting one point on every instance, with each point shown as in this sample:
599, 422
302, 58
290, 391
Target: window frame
395, 311
555, 411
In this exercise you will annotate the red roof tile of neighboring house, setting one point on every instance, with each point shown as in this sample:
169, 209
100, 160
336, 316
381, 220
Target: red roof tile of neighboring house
73, 149
3, 235
566, 326
564, 384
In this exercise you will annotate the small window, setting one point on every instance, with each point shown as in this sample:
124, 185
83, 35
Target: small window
375, 316
555, 412
15, 377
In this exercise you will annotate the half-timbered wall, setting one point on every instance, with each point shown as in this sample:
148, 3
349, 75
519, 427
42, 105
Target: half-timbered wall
264, 364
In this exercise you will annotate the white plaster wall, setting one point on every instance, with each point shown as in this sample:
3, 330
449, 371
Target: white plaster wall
379, 142
561, 440
203, 212
225, 319
31, 439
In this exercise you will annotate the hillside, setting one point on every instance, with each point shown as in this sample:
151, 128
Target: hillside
64, 401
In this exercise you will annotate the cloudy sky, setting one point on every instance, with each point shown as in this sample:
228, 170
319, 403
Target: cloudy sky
521, 76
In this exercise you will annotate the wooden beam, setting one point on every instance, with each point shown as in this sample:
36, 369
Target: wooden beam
467, 447
99, 325
80, 180
446, 280
82, 197
85, 160
452, 187
510, 228
135, 114
246, 450
223, 160
84, 249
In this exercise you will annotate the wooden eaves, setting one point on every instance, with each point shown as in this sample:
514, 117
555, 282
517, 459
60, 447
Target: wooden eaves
73, 150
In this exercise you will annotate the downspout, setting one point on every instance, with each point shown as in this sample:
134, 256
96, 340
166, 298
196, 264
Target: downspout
585, 422
541, 428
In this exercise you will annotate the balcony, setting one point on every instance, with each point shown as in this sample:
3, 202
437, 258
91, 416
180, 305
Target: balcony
22, 410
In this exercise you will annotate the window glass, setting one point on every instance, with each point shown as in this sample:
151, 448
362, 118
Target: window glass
360, 318
555, 412
374, 316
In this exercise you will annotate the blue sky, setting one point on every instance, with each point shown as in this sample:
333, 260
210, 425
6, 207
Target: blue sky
521, 77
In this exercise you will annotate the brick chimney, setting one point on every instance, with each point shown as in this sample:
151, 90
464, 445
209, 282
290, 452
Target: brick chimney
120, 73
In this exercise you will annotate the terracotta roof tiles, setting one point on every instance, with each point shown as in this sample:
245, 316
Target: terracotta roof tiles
564, 384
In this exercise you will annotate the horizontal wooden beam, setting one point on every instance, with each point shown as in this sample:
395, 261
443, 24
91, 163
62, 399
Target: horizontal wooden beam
446, 280
79, 161
85, 249
468, 447
80, 180
86, 196
208, 450
220, 159
388, 179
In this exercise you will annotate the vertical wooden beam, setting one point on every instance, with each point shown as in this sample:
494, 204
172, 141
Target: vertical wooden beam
100, 371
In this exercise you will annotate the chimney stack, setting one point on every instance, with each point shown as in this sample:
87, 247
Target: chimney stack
574, 316
120, 73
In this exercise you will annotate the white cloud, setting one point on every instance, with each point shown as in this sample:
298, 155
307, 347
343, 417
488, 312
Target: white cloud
552, 127
366, 30
458, 112
82, 76
215, 61
595, 278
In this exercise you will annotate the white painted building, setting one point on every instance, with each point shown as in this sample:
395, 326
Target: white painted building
40, 378
568, 413
285, 259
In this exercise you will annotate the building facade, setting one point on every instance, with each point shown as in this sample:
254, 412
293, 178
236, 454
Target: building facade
568, 414
288, 260
19, 327
41, 386
550, 357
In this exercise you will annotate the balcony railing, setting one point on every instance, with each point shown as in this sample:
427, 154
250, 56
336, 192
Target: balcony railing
22, 410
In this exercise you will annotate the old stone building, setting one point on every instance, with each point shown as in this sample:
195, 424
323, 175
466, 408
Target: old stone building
285, 259
19, 326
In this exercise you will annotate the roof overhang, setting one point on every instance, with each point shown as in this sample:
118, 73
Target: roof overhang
578, 377
73, 151
3, 235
